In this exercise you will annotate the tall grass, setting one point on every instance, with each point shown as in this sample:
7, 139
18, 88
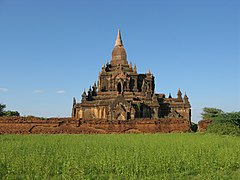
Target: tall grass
124, 156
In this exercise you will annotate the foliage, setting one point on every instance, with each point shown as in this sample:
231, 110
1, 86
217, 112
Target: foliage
124, 156
7, 113
210, 113
11, 113
232, 117
2, 107
31, 116
224, 128
225, 123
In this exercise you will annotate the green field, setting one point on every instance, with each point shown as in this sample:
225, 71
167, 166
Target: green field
124, 156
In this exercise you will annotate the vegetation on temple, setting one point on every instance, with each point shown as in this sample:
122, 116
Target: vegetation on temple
119, 156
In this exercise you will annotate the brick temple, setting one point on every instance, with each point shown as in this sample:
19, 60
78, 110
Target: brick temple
122, 94
122, 101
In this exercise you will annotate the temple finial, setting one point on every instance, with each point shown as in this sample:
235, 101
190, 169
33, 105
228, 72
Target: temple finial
119, 39
185, 99
149, 72
179, 94
135, 68
74, 101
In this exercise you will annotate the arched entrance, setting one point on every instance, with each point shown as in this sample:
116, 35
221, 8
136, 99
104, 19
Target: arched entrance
119, 88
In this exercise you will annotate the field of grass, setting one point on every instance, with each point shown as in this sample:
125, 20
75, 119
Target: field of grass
124, 156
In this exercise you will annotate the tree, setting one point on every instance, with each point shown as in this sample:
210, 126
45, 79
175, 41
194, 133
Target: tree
2, 107
224, 128
11, 113
232, 117
7, 113
210, 113
224, 123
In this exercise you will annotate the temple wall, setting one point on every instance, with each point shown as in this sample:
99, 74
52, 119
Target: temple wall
80, 114
185, 112
32, 125
203, 125
91, 112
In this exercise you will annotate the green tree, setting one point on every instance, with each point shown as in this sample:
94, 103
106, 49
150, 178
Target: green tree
210, 113
2, 107
7, 113
232, 117
226, 124
11, 113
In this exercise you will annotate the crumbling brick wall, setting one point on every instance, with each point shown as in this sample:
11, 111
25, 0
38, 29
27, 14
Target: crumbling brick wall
203, 125
33, 125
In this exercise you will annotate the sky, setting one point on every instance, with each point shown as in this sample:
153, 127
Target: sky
50, 50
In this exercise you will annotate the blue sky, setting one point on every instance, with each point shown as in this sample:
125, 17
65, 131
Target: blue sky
51, 50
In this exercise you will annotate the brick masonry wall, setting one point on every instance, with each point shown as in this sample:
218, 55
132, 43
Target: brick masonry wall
32, 125
203, 125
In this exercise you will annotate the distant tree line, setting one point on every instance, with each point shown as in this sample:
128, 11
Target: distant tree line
224, 123
7, 113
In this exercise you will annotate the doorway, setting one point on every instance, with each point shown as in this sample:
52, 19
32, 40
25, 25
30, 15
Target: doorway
119, 88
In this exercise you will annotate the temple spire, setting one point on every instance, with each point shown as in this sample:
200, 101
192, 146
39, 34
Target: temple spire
186, 99
179, 94
119, 39
149, 72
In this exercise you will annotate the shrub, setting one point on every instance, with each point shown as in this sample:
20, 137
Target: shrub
2, 107
232, 117
11, 113
223, 123
224, 128
7, 113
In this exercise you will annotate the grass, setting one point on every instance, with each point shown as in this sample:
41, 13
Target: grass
124, 156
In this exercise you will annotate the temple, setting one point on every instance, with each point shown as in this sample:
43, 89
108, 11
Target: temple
122, 94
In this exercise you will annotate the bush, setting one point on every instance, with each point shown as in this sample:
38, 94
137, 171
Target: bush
223, 123
233, 117
11, 113
7, 113
42, 118
224, 128
2, 107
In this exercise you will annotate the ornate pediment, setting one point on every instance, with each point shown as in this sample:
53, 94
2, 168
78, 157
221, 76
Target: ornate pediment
120, 108
120, 101
174, 114
121, 76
